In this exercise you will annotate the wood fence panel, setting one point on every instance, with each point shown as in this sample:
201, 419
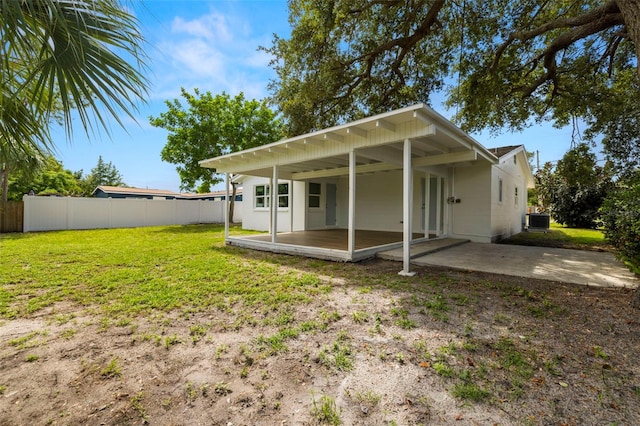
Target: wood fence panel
11, 216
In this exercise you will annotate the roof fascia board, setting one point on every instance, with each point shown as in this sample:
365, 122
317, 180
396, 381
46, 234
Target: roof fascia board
453, 157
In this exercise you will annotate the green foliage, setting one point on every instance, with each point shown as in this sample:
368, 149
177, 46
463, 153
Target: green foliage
575, 190
61, 57
621, 217
619, 123
50, 178
326, 411
102, 174
509, 61
204, 126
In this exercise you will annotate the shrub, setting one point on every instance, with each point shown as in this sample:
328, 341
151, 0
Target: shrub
621, 216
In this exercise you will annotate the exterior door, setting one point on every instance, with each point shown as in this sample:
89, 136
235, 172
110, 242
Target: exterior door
437, 205
331, 205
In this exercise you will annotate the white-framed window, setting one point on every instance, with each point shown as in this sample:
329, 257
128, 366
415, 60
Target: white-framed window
315, 191
262, 198
283, 195
499, 190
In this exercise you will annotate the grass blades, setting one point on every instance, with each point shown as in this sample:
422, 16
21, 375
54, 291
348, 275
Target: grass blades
132, 271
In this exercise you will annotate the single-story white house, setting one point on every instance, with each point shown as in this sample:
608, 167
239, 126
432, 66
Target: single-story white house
390, 180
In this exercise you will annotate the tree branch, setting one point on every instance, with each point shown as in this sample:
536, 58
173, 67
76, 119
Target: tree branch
609, 13
581, 27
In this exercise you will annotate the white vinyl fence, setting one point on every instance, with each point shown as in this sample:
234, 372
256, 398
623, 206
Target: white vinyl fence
58, 213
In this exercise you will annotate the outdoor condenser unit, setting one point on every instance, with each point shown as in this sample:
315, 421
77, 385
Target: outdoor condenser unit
539, 221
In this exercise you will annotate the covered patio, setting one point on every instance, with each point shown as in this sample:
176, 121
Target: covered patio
405, 148
329, 244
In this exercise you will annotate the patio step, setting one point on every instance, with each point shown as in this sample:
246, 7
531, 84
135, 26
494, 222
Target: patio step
421, 249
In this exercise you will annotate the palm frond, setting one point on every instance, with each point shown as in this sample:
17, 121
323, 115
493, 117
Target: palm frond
65, 56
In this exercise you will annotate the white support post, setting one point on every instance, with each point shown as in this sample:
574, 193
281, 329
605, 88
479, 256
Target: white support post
351, 236
274, 205
291, 206
427, 205
227, 204
439, 208
407, 206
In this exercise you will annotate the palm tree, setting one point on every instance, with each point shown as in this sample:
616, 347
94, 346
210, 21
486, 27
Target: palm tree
61, 56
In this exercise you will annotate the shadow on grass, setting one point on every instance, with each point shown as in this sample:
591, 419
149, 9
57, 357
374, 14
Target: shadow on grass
200, 228
556, 238
17, 236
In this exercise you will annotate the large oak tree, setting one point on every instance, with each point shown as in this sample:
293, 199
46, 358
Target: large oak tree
501, 62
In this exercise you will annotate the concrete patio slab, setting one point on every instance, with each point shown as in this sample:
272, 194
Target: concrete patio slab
592, 268
423, 248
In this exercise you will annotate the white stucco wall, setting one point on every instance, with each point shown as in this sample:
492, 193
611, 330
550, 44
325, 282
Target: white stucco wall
507, 217
258, 219
378, 204
471, 218
478, 216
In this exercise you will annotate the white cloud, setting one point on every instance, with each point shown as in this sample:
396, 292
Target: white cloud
211, 27
197, 57
213, 52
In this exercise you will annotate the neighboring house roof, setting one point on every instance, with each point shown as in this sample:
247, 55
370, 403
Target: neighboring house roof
159, 192
220, 193
134, 191
377, 141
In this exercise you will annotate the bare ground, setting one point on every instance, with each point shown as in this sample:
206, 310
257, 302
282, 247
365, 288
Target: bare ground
540, 353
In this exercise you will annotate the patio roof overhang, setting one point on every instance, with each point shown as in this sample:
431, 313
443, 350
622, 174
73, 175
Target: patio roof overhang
378, 142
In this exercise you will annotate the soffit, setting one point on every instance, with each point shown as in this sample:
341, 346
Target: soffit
377, 141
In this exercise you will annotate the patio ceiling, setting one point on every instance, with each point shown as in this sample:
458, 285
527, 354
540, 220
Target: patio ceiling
377, 141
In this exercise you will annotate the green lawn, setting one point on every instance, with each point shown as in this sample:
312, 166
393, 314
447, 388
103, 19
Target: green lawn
177, 320
562, 237
129, 271
136, 270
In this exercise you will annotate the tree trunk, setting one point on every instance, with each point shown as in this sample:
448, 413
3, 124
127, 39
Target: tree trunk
232, 202
630, 10
4, 183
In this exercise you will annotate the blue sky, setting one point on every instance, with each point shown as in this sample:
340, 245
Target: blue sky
212, 45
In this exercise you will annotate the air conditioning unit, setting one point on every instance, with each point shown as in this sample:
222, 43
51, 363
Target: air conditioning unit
539, 221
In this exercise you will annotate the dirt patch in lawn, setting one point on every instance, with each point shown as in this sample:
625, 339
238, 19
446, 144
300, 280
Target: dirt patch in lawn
444, 347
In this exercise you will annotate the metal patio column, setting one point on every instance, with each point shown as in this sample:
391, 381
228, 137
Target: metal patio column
407, 207
351, 236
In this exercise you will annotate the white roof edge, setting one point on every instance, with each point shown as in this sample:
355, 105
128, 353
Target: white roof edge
516, 151
323, 131
431, 113
484, 151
